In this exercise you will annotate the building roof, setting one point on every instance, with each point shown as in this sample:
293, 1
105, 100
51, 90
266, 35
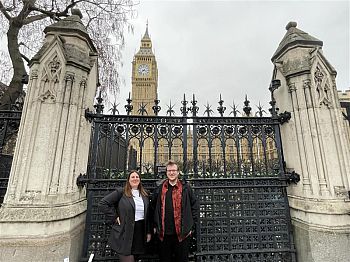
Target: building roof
70, 24
295, 36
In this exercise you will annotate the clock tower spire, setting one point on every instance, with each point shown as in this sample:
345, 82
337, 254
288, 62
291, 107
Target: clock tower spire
144, 77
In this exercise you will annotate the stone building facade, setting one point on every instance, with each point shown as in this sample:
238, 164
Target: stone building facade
316, 146
42, 217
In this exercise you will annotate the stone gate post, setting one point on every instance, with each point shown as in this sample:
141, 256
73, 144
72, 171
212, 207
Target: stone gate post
315, 146
43, 215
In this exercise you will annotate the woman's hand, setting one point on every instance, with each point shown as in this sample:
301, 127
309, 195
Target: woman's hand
149, 236
117, 220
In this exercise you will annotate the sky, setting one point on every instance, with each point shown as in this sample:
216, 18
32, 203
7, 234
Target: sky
208, 48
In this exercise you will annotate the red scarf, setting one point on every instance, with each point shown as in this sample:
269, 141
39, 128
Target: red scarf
176, 197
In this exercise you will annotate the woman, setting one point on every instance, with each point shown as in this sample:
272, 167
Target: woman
127, 210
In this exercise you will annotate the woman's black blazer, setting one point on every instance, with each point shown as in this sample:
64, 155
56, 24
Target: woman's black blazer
114, 205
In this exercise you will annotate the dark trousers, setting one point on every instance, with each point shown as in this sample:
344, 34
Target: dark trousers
171, 250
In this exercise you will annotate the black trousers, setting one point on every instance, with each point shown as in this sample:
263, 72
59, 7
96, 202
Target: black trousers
171, 250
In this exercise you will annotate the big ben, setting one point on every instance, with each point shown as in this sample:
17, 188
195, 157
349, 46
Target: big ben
144, 78
144, 91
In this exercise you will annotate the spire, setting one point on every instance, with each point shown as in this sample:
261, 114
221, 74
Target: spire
146, 44
146, 35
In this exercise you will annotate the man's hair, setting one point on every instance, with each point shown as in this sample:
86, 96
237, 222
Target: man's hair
171, 163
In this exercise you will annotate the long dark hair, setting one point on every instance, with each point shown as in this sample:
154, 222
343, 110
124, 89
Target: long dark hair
127, 187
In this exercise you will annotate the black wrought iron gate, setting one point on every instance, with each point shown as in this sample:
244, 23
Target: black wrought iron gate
235, 165
9, 124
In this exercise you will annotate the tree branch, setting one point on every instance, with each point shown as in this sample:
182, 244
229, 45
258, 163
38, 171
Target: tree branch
3, 10
34, 18
53, 15
56, 14
25, 58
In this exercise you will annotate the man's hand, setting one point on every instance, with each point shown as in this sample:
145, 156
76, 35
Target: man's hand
117, 220
149, 236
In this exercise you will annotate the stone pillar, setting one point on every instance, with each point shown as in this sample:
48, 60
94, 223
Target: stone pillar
315, 146
43, 215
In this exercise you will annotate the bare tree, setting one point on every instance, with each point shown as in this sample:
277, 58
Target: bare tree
5, 67
23, 22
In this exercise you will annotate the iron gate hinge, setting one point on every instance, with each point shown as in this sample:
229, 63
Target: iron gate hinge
81, 180
292, 177
284, 117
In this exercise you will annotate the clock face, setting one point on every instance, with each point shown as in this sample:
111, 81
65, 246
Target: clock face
143, 69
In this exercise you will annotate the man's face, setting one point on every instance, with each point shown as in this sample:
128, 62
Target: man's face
172, 173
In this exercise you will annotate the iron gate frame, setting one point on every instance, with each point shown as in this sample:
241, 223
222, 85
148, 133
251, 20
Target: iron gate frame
9, 126
259, 194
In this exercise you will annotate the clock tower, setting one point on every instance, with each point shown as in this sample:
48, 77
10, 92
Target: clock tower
144, 78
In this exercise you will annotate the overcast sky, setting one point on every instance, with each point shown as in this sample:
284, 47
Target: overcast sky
208, 48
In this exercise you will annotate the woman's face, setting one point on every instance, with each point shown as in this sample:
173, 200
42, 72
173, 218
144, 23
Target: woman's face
134, 180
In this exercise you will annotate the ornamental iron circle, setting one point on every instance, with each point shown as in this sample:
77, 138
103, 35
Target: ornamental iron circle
215, 130
105, 128
229, 130
268, 130
202, 130
149, 129
134, 129
177, 130
256, 130
163, 130
242, 130
120, 129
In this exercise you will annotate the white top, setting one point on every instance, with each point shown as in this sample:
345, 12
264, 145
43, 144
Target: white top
139, 206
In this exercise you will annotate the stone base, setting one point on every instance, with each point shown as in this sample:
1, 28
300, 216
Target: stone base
317, 245
44, 249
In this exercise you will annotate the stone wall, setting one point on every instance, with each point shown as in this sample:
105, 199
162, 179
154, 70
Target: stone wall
316, 146
43, 215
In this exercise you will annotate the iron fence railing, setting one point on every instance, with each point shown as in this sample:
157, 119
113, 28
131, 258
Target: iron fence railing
234, 164
241, 219
9, 125
203, 146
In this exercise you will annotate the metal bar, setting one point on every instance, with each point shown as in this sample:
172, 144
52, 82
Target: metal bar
284, 190
210, 143
88, 221
223, 146
195, 150
237, 139
127, 130
250, 147
264, 143
94, 150
155, 143
184, 146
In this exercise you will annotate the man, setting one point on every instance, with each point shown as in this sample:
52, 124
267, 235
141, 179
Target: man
175, 215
